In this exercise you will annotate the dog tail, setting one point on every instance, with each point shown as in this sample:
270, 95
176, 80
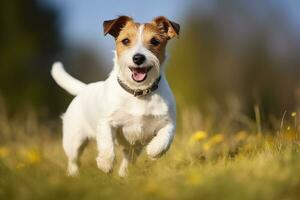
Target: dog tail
64, 80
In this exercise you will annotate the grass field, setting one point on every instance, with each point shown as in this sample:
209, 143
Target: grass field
204, 162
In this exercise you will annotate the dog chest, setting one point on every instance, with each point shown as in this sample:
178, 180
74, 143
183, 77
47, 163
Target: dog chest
138, 128
139, 121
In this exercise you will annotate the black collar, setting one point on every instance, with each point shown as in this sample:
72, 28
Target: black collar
138, 92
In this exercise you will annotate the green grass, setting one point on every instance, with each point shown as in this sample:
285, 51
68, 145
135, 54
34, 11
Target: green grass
228, 165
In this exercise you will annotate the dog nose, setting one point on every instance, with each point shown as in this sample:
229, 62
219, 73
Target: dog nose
139, 59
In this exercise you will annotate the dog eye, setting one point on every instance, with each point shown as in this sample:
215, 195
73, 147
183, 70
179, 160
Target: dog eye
126, 41
154, 41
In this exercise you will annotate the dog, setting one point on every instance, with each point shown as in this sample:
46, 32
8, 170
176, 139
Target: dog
134, 107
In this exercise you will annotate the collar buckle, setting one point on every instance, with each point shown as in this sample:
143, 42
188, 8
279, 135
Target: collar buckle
139, 92
147, 91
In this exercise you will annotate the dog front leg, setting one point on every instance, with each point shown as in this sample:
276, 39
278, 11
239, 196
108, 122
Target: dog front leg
162, 141
105, 144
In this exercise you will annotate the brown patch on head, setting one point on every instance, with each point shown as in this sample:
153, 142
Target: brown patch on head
157, 33
128, 37
155, 41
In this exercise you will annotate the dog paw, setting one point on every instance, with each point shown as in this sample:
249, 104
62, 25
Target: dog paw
123, 172
73, 170
104, 164
156, 148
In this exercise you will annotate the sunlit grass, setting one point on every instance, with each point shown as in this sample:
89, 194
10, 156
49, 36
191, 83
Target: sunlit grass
202, 163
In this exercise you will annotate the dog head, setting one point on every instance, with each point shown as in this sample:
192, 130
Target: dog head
140, 48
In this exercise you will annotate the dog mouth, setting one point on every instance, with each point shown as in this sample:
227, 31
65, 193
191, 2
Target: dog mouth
139, 74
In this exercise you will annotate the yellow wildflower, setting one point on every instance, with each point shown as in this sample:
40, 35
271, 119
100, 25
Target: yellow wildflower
216, 139
198, 136
288, 128
294, 114
33, 156
4, 151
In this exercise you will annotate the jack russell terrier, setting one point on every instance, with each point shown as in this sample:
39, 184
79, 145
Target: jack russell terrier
133, 107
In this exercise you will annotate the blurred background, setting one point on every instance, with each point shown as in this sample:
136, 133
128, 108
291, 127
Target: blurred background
230, 57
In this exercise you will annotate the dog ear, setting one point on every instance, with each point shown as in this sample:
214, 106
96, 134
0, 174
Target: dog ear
171, 29
114, 26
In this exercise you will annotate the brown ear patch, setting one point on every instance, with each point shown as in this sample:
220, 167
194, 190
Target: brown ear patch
113, 27
151, 32
170, 28
129, 32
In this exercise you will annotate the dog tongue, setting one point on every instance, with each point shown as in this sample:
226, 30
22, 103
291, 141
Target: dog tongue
139, 74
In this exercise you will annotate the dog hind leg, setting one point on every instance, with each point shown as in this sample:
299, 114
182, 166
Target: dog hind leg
73, 146
129, 156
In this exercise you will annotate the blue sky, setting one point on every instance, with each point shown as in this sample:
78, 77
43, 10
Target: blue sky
82, 19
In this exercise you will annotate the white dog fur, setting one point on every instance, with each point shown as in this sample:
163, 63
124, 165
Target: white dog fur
106, 112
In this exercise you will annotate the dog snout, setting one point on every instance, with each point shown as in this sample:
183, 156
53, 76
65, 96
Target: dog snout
138, 59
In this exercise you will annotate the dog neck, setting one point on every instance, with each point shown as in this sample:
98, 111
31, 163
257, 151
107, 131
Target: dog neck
139, 92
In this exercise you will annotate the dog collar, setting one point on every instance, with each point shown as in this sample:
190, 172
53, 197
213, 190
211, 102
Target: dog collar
139, 92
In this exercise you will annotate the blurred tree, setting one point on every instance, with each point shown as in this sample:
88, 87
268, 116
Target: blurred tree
240, 49
84, 63
29, 41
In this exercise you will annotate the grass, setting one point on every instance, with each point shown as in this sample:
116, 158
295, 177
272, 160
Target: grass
203, 163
